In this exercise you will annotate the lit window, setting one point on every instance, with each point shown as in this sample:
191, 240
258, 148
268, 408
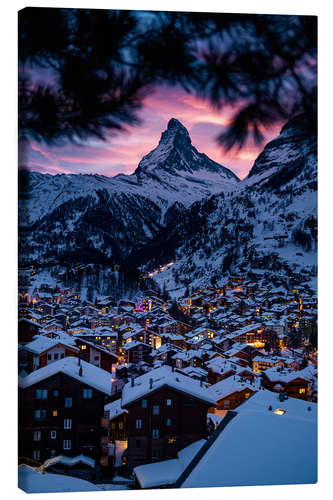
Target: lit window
55, 413
302, 390
83, 347
37, 435
278, 411
67, 423
172, 440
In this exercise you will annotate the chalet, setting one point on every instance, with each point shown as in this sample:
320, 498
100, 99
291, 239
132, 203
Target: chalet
221, 368
174, 339
60, 410
166, 412
231, 392
96, 354
243, 352
136, 351
27, 329
295, 383
116, 419
42, 351
165, 353
262, 363
81, 466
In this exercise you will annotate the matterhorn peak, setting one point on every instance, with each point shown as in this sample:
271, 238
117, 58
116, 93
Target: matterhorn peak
176, 135
175, 124
175, 153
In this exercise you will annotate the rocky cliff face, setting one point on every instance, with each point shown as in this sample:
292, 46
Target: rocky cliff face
293, 145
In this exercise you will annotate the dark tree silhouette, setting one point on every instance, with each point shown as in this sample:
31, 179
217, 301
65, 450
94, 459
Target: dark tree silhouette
98, 66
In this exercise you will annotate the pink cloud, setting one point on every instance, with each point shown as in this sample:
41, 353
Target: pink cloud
121, 153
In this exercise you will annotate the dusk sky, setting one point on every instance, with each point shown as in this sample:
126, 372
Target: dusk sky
121, 153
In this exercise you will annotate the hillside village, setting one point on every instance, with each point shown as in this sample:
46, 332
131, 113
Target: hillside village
138, 393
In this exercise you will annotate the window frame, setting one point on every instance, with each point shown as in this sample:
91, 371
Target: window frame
37, 434
67, 423
87, 393
67, 444
71, 402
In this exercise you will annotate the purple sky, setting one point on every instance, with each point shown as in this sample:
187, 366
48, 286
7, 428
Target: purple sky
122, 152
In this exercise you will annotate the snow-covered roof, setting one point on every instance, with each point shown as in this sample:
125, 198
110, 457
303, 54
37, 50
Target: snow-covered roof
42, 344
222, 365
287, 375
232, 384
168, 471
114, 408
164, 376
69, 461
258, 447
32, 481
295, 407
134, 343
91, 375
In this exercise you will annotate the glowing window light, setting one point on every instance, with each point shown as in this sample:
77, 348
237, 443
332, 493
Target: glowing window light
279, 411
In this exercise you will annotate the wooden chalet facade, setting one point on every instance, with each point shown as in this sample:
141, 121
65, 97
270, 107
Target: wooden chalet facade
60, 415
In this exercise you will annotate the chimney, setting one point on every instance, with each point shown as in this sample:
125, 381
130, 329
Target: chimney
150, 383
132, 381
80, 371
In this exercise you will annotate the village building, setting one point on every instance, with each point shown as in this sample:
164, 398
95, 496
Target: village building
60, 410
166, 412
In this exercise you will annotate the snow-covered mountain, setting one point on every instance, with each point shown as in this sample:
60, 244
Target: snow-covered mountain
269, 221
179, 205
64, 214
173, 172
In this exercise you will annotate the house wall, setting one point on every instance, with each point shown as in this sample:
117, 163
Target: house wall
85, 414
188, 424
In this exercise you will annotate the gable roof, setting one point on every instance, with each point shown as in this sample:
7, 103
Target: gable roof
91, 375
283, 451
164, 376
42, 344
